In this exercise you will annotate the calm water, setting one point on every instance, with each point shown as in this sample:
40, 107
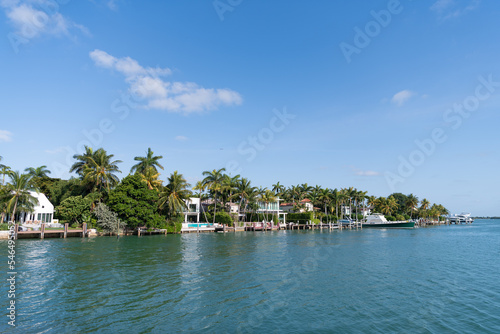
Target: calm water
428, 280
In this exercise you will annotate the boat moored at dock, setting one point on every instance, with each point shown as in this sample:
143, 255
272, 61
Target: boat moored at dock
463, 218
379, 220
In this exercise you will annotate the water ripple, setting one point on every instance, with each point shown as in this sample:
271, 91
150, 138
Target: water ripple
420, 281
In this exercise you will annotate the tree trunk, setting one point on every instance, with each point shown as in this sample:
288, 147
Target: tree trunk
14, 211
215, 208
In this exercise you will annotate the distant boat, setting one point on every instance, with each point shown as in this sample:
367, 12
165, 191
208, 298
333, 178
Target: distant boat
345, 222
379, 220
463, 218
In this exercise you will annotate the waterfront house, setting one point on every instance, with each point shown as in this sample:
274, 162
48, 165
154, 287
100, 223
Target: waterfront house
272, 208
305, 204
43, 212
192, 210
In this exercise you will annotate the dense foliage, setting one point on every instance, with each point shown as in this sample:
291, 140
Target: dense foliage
135, 203
141, 199
107, 220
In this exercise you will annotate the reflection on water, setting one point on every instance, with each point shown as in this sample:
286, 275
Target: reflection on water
426, 280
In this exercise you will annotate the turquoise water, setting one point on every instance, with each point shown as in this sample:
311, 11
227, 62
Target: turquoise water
429, 280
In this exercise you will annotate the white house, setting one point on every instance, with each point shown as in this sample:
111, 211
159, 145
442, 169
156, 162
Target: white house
42, 213
273, 208
192, 213
288, 207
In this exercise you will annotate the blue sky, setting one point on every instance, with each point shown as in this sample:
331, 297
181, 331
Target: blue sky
383, 96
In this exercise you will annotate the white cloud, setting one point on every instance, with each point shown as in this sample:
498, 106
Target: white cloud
56, 150
148, 84
112, 5
367, 173
401, 97
441, 5
447, 9
181, 138
360, 172
32, 18
5, 136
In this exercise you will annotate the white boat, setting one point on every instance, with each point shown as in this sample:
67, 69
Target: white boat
379, 220
463, 218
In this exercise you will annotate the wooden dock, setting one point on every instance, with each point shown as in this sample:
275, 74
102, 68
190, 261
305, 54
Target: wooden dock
44, 233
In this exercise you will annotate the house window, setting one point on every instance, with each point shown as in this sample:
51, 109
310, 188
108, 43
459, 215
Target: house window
39, 217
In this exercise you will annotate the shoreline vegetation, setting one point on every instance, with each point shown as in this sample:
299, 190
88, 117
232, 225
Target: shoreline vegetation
141, 200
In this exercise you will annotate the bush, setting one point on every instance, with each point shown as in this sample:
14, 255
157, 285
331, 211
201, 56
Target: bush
107, 220
329, 218
221, 218
390, 218
400, 217
301, 218
4, 227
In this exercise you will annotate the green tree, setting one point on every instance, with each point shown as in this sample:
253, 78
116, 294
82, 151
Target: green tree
174, 195
151, 177
4, 170
214, 181
99, 171
135, 204
18, 192
75, 209
244, 193
38, 172
108, 220
278, 189
267, 197
82, 161
146, 162
411, 204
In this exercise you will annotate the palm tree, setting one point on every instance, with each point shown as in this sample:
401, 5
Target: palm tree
99, 171
324, 197
424, 206
343, 198
392, 204
150, 176
83, 160
243, 191
305, 190
278, 189
334, 195
359, 196
267, 197
294, 193
411, 204
38, 172
229, 186
213, 181
174, 194
145, 162
18, 192
4, 170
200, 188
